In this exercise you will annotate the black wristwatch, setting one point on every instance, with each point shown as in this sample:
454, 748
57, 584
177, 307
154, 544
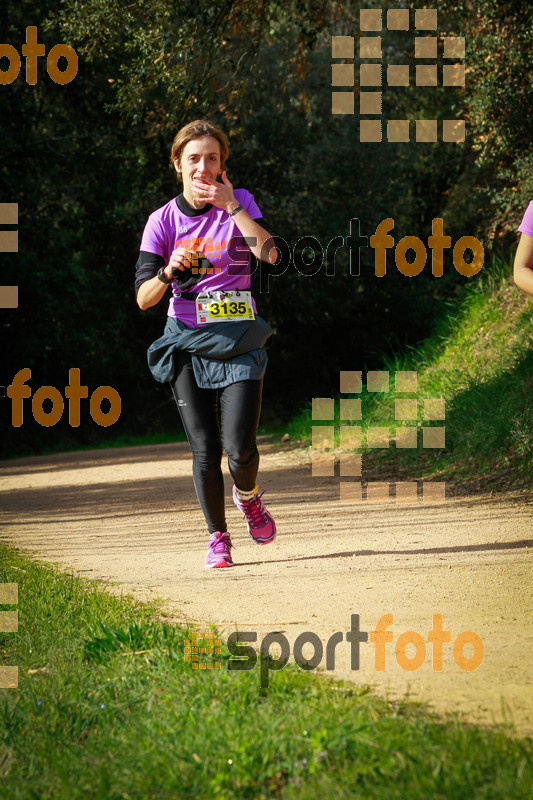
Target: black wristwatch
162, 277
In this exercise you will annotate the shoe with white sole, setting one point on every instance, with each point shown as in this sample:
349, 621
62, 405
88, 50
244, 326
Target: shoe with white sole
261, 525
219, 551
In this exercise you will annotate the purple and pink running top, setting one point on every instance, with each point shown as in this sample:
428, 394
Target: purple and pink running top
526, 226
214, 234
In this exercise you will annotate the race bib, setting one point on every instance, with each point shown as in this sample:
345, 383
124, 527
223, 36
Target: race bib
223, 307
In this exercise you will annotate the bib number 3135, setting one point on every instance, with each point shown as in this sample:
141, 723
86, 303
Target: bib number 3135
223, 307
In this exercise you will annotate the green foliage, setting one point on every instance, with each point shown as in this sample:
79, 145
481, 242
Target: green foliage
479, 358
494, 192
175, 58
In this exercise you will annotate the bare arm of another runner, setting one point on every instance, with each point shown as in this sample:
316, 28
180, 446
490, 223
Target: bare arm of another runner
523, 264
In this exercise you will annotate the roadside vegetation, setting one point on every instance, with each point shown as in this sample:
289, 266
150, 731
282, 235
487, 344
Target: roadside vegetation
479, 359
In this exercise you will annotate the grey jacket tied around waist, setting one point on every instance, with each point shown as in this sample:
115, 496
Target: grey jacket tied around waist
222, 352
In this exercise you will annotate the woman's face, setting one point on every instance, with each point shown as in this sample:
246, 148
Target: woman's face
200, 158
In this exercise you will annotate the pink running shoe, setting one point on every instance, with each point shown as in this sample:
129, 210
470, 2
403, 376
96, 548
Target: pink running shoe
219, 551
261, 525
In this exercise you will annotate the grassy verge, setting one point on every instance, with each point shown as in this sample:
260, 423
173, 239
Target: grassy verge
480, 361
108, 708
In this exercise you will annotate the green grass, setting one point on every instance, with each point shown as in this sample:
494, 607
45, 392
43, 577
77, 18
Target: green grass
108, 708
480, 360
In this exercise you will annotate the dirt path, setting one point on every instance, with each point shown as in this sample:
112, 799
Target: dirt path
130, 516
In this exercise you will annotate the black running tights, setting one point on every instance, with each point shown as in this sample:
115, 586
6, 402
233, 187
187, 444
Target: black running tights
240, 405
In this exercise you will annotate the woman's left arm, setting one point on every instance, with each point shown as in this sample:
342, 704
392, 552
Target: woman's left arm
221, 195
265, 249
523, 263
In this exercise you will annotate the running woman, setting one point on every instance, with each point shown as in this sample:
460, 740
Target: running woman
215, 368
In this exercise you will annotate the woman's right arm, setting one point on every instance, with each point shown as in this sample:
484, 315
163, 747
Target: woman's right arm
523, 264
150, 290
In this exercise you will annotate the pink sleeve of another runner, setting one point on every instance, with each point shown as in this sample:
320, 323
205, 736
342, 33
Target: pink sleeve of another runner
526, 226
